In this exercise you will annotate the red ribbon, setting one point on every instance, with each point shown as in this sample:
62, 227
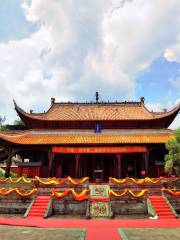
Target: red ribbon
99, 199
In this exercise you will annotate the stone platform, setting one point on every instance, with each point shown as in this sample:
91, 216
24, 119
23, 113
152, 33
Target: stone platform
99, 204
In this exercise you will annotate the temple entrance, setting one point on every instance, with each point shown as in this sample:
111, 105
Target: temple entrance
95, 166
68, 165
133, 165
101, 166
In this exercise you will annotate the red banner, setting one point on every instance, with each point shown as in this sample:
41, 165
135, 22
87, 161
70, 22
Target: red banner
94, 150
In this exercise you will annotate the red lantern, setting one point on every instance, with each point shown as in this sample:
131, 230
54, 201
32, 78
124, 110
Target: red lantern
143, 173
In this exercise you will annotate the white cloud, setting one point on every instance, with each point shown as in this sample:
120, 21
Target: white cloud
172, 54
176, 83
176, 123
159, 107
155, 107
85, 46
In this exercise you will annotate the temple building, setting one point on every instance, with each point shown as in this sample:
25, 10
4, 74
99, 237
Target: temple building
94, 139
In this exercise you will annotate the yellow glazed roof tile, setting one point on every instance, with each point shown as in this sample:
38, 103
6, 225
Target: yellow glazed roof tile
121, 137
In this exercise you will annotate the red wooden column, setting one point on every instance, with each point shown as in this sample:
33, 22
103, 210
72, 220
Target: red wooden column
77, 165
51, 159
84, 165
135, 166
113, 168
80, 166
146, 159
9, 162
119, 165
82, 170
61, 162
102, 166
58, 166
94, 165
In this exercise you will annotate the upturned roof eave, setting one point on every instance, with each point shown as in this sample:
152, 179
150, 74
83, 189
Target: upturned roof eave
42, 116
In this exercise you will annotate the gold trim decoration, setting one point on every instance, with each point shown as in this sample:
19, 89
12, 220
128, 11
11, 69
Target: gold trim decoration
6, 192
141, 181
126, 191
77, 196
171, 191
80, 181
16, 180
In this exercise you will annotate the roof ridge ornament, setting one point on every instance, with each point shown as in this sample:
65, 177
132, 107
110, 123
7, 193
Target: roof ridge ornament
142, 100
97, 97
52, 101
15, 104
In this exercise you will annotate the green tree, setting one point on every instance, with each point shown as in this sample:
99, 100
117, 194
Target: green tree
2, 120
172, 159
18, 122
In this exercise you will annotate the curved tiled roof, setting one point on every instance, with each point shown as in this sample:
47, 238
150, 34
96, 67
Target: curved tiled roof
95, 112
57, 137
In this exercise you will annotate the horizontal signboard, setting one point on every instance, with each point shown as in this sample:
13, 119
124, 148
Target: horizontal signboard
108, 149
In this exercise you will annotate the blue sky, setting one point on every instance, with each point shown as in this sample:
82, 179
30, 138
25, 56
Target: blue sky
13, 24
71, 49
155, 82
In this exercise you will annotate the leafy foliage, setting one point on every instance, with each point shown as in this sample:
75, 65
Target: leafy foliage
2, 120
4, 127
12, 175
18, 122
1, 173
172, 159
